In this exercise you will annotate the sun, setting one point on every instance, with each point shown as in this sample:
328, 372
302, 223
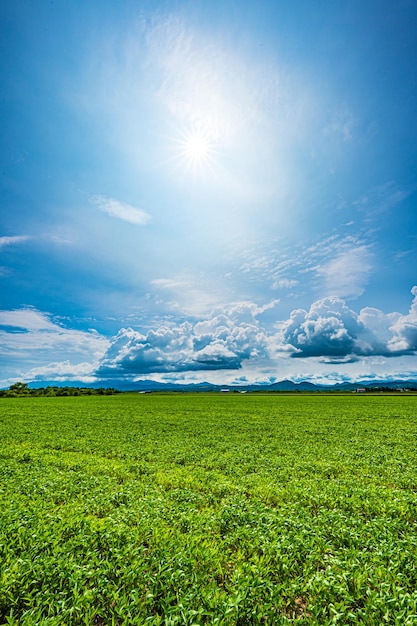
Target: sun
197, 148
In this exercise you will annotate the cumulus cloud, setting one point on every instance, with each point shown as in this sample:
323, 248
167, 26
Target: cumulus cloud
404, 330
334, 332
329, 331
219, 342
121, 210
326, 330
232, 338
62, 371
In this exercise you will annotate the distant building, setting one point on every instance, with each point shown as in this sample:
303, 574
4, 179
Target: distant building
360, 390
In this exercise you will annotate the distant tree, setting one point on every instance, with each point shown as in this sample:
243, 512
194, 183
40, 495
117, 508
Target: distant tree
20, 389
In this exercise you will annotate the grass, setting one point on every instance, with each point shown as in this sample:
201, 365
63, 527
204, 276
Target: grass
208, 509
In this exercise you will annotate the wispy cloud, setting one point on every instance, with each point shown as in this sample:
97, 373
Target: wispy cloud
347, 273
206, 85
27, 320
31, 336
341, 125
279, 266
338, 265
11, 241
121, 210
381, 199
284, 283
190, 294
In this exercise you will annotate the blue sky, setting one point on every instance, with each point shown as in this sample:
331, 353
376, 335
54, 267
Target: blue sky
208, 191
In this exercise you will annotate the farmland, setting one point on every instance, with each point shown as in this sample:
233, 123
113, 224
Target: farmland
208, 509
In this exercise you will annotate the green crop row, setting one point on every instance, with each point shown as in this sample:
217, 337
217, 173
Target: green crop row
192, 509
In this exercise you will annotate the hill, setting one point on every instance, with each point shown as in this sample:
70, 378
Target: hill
283, 386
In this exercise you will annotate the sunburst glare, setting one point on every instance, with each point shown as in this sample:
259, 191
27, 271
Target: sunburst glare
195, 150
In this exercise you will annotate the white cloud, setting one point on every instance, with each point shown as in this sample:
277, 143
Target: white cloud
10, 241
168, 283
31, 339
27, 320
230, 339
121, 210
284, 283
218, 342
194, 295
404, 329
245, 310
205, 85
332, 331
381, 199
340, 266
326, 330
347, 273
62, 371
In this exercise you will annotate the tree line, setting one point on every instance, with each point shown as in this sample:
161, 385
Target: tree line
22, 390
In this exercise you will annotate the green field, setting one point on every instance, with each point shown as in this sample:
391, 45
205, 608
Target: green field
208, 509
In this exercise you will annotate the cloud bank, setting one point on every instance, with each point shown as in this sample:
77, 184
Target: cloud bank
220, 342
234, 338
329, 331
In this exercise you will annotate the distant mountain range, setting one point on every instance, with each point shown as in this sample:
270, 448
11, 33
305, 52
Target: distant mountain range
283, 385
